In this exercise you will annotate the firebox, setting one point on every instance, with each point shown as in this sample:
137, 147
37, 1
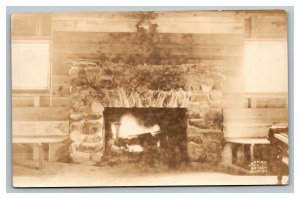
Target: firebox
148, 135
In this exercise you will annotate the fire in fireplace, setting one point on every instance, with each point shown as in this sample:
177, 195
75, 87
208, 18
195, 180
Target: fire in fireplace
148, 135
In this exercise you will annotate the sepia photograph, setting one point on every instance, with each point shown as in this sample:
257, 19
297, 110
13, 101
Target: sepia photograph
150, 98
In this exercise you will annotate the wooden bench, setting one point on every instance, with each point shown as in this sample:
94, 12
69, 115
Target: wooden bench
240, 153
39, 133
246, 128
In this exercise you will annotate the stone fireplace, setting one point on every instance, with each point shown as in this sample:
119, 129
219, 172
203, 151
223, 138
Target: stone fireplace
115, 107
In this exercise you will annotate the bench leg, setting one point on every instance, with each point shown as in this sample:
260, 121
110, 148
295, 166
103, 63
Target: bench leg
35, 152
38, 154
252, 152
241, 155
41, 156
227, 153
49, 152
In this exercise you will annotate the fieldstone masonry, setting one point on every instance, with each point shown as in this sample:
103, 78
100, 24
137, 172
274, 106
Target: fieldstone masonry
197, 87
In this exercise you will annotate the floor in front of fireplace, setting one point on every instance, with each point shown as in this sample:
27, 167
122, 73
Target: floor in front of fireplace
55, 174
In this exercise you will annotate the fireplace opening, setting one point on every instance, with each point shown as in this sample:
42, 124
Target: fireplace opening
147, 135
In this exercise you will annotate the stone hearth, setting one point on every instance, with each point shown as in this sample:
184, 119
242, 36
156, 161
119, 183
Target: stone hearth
95, 86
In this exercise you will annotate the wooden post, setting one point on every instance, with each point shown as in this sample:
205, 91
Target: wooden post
41, 155
38, 154
49, 152
36, 99
227, 153
35, 152
241, 155
252, 152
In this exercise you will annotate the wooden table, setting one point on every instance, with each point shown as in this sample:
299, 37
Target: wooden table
39, 133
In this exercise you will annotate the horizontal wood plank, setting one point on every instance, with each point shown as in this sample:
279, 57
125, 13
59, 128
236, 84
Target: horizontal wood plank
61, 90
61, 102
164, 26
40, 129
25, 101
248, 130
255, 115
40, 113
165, 38
269, 27
174, 22
60, 79
116, 49
276, 12
228, 15
60, 67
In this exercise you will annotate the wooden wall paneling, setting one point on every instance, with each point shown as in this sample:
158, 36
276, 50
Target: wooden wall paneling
208, 15
266, 24
164, 27
57, 101
271, 102
205, 22
251, 123
59, 66
188, 50
40, 113
52, 63
31, 25
271, 27
21, 152
45, 24
171, 46
28, 100
22, 101
233, 84
60, 79
165, 38
23, 24
61, 102
256, 115
268, 100
278, 13
61, 90
45, 101
234, 101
